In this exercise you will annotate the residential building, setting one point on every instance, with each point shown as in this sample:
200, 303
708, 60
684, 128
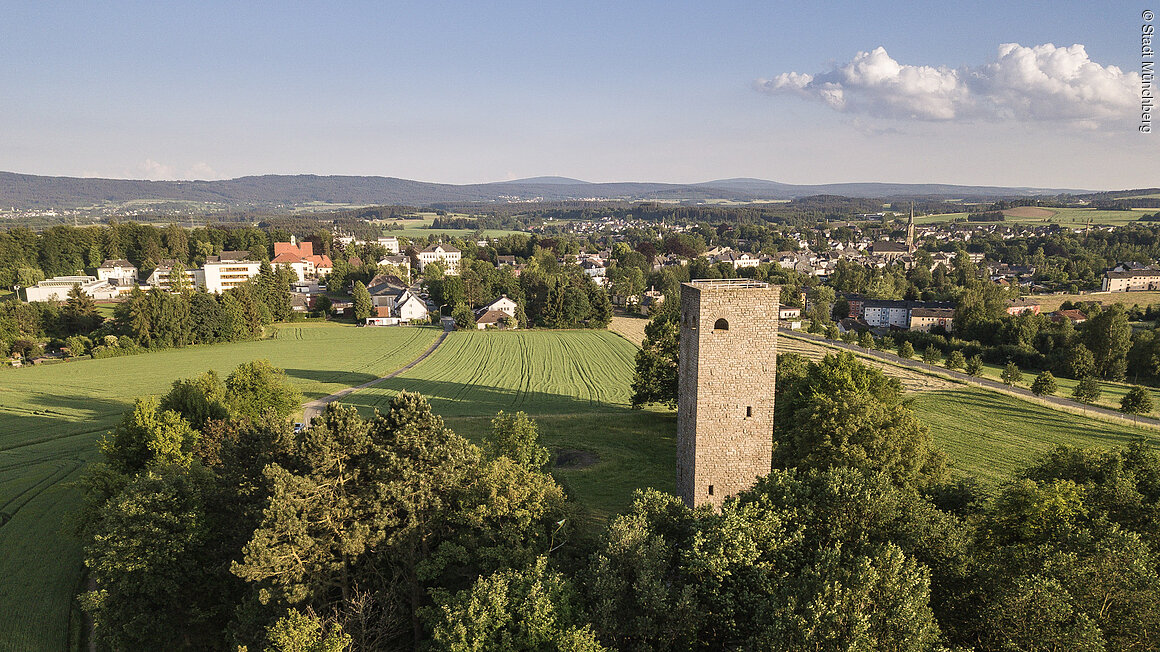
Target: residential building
1022, 305
160, 276
444, 254
402, 262
923, 319
220, 275
57, 288
300, 257
493, 319
120, 270
1072, 315
390, 243
789, 312
1131, 280
502, 304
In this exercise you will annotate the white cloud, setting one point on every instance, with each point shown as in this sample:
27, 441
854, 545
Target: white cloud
1043, 82
203, 171
155, 171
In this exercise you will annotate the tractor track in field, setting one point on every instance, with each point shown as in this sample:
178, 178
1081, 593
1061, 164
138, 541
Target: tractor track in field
313, 408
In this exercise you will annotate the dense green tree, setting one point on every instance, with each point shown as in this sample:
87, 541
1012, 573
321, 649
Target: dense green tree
464, 316
150, 560
1011, 374
532, 610
198, 400
149, 436
667, 577
1136, 401
1044, 384
974, 366
844, 413
655, 379
956, 360
931, 355
1108, 335
79, 315
1087, 390
362, 302
257, 390
516, 437
304, 632
1080, 362
906, 350
866, 340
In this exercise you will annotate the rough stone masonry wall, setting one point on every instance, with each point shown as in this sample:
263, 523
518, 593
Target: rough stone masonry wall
726, 383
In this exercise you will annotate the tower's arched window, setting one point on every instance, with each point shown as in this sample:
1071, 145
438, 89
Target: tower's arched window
721, 325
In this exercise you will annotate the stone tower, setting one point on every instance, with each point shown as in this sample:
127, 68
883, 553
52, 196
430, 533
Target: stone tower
728, 361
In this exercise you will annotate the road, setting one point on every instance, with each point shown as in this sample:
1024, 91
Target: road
972, 380
314, 408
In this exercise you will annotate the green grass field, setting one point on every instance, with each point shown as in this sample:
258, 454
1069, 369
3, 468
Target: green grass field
422, 227
574, 383
51, 418
989, 434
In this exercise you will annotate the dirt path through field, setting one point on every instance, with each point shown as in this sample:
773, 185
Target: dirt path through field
314, 408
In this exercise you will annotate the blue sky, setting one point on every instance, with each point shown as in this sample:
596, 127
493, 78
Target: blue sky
665, 91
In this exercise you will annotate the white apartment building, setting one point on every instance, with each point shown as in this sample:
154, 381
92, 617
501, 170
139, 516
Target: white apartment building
160, 276
221, 275
391, 243
447, 255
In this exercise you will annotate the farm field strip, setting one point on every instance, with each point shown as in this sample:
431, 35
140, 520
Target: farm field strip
989, 434
52, 416
539, 372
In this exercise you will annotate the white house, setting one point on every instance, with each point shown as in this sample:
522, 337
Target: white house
402, 262
57, 288
410, 307
391, 243
121, 271
447, 255
502, 304
221, 275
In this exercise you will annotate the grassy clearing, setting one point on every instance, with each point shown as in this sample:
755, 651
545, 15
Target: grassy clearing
419, 228
988, 434
51, 418
631, 327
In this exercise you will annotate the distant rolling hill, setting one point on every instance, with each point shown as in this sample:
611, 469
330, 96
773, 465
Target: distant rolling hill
31, 191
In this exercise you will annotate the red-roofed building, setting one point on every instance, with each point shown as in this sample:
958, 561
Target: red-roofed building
300, 257
1075, 316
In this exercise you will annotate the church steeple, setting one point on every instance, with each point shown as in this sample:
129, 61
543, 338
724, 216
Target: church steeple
910, 230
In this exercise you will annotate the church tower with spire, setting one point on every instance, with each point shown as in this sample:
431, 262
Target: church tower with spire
910, 230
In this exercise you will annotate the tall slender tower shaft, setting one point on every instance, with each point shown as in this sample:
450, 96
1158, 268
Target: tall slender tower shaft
728, 362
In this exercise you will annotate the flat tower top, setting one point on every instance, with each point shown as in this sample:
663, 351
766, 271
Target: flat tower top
724, 283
